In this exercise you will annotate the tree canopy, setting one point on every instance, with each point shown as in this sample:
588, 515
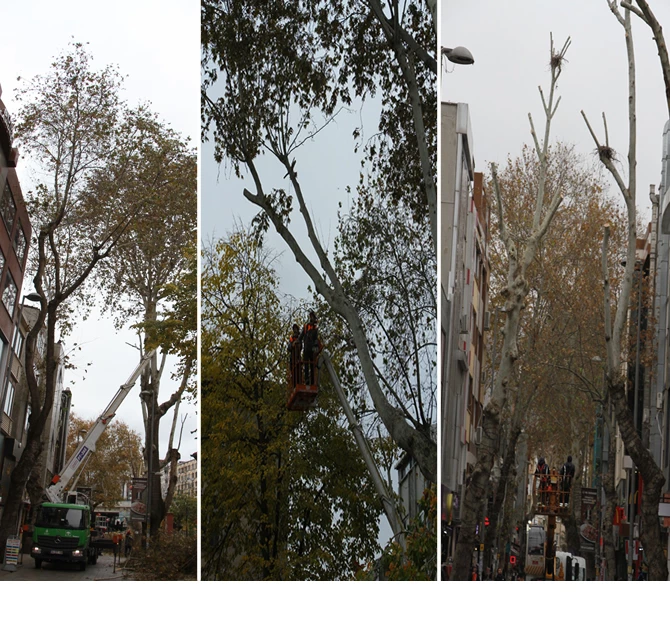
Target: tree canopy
285, 495
116, 460
269, 96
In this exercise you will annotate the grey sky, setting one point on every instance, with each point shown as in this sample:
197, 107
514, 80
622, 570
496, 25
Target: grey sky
326, 165
156, 46
510, 43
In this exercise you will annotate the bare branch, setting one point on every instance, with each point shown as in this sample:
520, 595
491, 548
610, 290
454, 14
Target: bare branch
634, 9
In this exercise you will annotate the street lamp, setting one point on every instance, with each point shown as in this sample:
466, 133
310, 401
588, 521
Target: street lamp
460, 55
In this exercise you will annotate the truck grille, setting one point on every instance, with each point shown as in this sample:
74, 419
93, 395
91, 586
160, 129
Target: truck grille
58, 542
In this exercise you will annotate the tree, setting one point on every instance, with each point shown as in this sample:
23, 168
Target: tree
557, 385
116, 460
152, 282
643, 459
280, 90
74, 127
285, 495
418, 560
521, 250
645, 13
185, 511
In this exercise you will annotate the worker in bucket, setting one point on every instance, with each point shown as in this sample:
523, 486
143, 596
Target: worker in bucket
311, 346
294, 351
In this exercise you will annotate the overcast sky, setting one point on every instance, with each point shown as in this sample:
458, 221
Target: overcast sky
510, 44
156, 46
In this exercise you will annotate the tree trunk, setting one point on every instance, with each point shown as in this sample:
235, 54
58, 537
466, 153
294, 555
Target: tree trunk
653, 478
611, 501
18, 480
506, 473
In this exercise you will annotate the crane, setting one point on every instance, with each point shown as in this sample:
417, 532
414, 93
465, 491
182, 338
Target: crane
56, 491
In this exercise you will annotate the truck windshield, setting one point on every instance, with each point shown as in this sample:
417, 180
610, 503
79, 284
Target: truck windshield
535, 541
62, 518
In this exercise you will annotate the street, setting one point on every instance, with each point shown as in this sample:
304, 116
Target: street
63, 571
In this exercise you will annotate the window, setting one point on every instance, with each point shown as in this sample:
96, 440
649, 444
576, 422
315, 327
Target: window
9, 294
9, 399
19, 339
7, 207
20, 244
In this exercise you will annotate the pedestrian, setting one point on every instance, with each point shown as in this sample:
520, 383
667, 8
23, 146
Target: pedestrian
499, 576
311, 346
567, 473
294, 351
542, 475
129, 543
487, 574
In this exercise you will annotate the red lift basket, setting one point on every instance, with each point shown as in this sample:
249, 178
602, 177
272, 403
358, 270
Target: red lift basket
303, 384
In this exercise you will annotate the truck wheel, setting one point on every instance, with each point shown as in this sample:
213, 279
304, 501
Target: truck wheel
38, 563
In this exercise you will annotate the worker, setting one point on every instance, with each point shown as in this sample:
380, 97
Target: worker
294, 350
311, 346
567, 474
542, 474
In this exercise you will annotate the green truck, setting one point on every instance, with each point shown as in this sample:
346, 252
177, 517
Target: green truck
62, 533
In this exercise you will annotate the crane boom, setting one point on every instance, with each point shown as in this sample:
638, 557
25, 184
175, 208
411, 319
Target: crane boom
380, 486
55, 492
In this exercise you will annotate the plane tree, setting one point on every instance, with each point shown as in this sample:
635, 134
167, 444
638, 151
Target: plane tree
264, 98
616, 313
557, 382
521, 249
151, 283
79, 136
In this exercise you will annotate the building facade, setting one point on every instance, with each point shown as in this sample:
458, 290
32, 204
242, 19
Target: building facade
15, 234
464, 241
187, 478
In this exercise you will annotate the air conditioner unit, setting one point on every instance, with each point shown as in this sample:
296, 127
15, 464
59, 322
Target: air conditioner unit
462, 360
464, 324
487, 320
478, 435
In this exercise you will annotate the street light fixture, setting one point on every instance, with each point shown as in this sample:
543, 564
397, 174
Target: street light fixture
460, 55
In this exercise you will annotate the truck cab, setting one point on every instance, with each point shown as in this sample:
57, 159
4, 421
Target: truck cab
62, 533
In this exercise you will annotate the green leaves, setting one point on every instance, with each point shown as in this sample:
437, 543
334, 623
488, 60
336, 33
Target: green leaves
285, 495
